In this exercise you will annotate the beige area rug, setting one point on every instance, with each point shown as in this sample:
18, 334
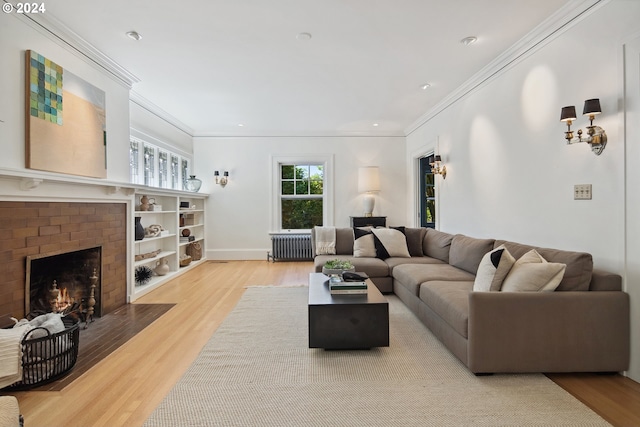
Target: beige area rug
257, 370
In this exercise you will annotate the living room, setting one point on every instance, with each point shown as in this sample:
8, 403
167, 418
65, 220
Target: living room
487, 131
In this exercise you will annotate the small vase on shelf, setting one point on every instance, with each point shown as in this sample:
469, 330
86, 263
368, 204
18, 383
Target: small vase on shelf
193, 184
139, 230
162, 267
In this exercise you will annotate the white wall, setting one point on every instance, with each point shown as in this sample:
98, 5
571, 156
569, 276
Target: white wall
16, 36
150, 127
510, 174
238, 216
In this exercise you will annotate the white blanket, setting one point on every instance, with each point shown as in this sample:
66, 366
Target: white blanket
11, 354
325, 240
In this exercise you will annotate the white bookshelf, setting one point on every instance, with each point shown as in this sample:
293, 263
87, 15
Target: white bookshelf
170, 217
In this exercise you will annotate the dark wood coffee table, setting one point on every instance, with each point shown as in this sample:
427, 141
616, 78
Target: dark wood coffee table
340, 322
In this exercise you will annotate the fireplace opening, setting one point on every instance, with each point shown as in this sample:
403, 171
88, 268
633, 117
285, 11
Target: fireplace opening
68, 282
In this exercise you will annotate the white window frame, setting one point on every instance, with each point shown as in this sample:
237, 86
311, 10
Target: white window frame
326, 161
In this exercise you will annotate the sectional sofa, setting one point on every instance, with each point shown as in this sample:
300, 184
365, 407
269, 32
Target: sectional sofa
582, 326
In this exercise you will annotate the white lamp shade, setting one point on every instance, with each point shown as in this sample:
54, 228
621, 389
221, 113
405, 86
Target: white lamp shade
368, 179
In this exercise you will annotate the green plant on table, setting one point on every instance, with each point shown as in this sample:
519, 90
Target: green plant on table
338, 264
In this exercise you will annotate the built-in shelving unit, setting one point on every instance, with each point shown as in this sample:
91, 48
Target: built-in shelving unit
182, 222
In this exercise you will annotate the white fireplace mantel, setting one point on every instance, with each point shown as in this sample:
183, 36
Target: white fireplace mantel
21, 184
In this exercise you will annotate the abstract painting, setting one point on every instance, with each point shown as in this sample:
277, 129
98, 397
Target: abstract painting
65, 121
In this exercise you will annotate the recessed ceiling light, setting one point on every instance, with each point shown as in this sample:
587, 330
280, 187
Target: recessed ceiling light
425, 86
469, 40
134, 35
240, 125
375, 124
304, 36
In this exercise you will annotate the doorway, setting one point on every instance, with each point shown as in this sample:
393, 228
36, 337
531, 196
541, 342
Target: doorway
427, 193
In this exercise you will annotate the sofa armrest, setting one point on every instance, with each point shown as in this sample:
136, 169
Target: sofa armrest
548, 332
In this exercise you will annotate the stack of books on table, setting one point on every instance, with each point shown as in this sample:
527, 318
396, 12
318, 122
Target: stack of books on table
338, 287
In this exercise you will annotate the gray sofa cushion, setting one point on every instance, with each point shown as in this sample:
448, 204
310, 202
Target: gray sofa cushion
344, 241
436, 244
467, 252
450, 301
395, 261
412, 275
577, 276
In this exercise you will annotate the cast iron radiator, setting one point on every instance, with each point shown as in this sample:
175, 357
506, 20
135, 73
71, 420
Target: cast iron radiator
290, 247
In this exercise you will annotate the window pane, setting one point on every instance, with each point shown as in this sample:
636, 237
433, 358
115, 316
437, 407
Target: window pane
316, 172
302, 187
302, 172
431, 211
431, 192
174, 171
301, 214
134, 155
163, 168
429, 179
185, 173
316, 187
287, 172
149, 165
287, 187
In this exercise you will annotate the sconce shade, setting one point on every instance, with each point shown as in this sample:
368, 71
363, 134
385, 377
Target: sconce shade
568, 113
226, 173
368, 179
216, 173
437, 158
591, 107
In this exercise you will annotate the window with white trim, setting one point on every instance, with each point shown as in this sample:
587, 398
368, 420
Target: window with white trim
301, 196
302, 192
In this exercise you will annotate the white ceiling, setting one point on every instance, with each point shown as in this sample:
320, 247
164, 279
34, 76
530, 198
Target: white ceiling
215, 64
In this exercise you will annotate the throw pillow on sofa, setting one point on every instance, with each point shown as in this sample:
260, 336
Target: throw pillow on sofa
533, 273
389, 243
493, 269
363, 243
415, 237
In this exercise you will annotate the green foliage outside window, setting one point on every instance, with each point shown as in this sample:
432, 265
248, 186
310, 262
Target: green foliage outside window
302, 188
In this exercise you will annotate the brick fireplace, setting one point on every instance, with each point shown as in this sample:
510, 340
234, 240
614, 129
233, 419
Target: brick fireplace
38, 228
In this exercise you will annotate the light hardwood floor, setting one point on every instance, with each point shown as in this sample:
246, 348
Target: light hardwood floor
124, 388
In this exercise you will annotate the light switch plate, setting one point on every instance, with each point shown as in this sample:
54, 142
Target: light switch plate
582, 192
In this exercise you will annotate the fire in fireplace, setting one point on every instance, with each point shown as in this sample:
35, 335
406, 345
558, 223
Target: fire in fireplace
64, 283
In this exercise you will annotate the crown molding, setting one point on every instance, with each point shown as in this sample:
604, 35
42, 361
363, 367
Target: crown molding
563, 19
55, 30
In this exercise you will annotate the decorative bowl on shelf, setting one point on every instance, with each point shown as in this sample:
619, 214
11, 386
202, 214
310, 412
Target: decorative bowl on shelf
185, 260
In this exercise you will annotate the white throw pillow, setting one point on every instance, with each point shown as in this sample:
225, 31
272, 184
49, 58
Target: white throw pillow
390, 243
532, 273
493, 269
363, 244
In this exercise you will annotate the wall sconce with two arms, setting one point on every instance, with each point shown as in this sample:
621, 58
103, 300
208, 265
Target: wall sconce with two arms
596, 136
437, 168
222, 181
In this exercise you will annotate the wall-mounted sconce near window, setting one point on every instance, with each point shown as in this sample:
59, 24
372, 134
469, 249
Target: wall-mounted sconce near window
437, 167
222, 181
596, 137
368, 183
